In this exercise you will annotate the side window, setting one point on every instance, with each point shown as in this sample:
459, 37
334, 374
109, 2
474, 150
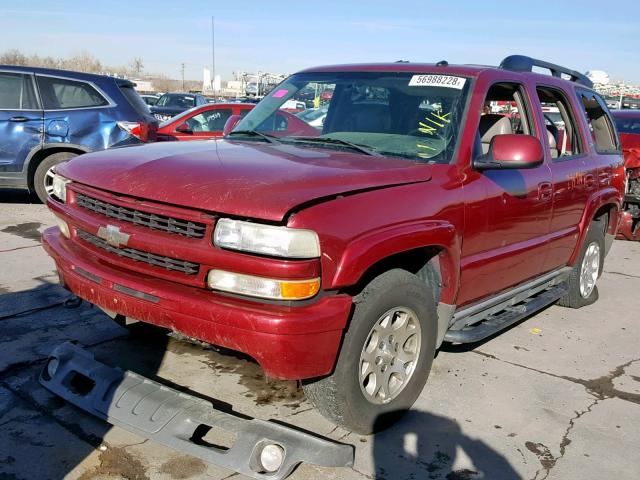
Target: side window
559, 119
506, 111
600, 124
211, 121
60, 93
17, 92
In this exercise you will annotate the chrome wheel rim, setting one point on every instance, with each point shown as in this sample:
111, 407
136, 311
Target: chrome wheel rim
590, 269
390, 355
48, 182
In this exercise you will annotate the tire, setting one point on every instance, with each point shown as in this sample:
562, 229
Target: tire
40, 177
390, 302
588, 267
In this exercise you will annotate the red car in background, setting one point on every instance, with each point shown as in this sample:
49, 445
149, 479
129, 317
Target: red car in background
201, 123
628, 126
207, 121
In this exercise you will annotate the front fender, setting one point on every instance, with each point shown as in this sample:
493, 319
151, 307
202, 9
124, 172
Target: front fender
365, 251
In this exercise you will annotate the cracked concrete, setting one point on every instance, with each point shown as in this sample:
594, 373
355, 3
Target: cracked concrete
555, 397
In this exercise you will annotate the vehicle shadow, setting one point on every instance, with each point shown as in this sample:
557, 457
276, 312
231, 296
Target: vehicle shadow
423, 445
42, 436
18, 195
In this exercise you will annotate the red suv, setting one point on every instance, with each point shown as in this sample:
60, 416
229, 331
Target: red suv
346, 255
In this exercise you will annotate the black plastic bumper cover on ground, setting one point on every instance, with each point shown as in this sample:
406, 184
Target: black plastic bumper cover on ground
173, 418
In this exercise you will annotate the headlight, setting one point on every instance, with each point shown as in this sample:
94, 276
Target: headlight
59, 186
266, 239
262, 287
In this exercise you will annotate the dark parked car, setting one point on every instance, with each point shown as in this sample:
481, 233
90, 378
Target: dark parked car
171, 104
150, 99
48, 116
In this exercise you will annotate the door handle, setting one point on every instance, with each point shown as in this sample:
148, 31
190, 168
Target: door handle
545, 191
589, 181
19, 118
605, 178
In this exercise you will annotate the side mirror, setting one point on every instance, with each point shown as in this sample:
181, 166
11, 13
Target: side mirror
509, 152
183, 128
230, 124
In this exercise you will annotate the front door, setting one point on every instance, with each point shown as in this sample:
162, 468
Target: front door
507, 212
20, 121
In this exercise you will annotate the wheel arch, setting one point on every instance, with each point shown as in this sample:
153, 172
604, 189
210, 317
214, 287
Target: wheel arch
31, 165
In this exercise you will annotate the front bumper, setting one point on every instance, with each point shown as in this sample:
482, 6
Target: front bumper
289, 342
178, 420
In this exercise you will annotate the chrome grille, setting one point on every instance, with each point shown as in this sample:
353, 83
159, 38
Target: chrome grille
157, 222
168, 263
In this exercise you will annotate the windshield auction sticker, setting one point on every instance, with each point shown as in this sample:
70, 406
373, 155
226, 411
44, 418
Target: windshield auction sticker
447, 81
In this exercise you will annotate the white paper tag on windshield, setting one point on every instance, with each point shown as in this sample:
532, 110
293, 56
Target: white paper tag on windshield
447, 81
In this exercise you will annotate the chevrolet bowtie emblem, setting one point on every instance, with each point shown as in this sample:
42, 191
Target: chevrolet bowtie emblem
113, 236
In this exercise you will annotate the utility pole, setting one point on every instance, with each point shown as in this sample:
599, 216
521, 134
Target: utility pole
182, 77
213, 59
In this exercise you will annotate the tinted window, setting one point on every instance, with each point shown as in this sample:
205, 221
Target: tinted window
600, 124
627, 124
60, 93
176, 101
16, 92
211, 121
135, 99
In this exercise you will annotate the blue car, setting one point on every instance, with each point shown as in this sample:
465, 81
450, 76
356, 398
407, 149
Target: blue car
48, 116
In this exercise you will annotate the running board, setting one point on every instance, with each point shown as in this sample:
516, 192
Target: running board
500, 320
261, 450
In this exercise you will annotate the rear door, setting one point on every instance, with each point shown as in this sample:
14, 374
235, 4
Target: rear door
75, 112
20, 121
573, 179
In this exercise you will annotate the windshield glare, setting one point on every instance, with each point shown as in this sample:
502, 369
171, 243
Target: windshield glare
407, 115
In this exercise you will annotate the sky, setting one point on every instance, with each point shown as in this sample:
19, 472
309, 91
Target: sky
284, 36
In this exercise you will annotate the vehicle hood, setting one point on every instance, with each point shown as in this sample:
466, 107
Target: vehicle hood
246, 179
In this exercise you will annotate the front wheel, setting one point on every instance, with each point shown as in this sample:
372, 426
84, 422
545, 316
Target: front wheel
43, 176
385, 358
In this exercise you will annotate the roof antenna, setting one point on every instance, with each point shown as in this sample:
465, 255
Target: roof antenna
442, 63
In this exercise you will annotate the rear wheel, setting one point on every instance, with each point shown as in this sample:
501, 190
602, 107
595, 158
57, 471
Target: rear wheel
582, 282
43, 176
385, 358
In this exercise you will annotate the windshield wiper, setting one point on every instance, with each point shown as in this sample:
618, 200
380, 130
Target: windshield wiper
336, 141
253, 133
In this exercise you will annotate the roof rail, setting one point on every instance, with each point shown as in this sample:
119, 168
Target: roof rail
522, 63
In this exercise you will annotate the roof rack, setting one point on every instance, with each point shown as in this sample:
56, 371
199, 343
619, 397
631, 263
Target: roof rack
522, 63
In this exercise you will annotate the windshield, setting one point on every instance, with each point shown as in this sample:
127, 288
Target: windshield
175, 100
407, 115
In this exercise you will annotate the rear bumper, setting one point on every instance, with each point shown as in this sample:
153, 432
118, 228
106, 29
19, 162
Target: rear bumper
289, 342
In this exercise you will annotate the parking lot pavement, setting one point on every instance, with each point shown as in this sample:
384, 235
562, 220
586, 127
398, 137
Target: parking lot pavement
554, 397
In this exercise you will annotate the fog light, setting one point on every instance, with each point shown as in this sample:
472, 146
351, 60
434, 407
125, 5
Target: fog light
63, 226
272, 457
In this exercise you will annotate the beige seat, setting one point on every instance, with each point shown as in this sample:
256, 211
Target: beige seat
553, 145
492, 125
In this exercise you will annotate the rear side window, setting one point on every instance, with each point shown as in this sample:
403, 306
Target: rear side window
61, 93
17, 92
134, 99
600, 124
